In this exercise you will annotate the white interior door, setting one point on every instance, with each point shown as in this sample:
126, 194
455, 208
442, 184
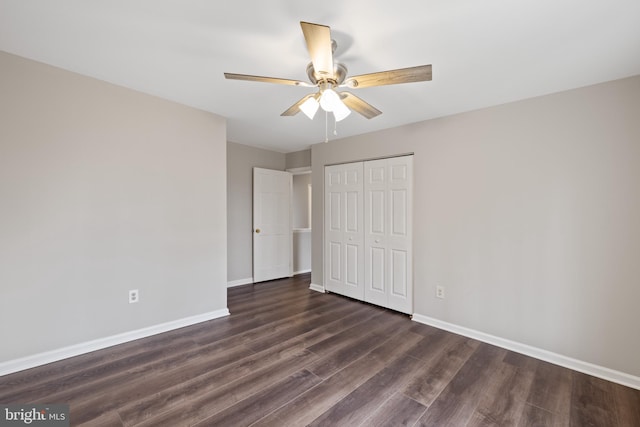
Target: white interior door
387, 233
344, 258
272, 236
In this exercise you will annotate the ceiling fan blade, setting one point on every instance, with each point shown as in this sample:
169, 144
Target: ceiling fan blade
420, 73
359, 106
318, 38
295, 108
263, 79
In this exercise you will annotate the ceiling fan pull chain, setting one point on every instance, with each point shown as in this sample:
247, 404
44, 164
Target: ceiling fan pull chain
326, 127
335, 127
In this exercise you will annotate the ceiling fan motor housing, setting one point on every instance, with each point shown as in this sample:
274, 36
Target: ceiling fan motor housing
339, 74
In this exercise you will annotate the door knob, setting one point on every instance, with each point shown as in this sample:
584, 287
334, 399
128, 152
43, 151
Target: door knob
257, 230
377, 240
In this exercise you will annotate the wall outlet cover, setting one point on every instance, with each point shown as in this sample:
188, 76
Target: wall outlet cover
134, 296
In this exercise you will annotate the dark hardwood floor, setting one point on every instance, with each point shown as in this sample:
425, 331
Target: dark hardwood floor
288, 356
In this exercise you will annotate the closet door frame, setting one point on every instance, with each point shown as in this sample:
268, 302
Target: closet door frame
383, 243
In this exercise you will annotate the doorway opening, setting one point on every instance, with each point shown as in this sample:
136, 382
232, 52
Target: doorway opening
301, 219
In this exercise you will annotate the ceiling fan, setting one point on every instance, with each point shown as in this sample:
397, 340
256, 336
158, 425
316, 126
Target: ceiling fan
328, 75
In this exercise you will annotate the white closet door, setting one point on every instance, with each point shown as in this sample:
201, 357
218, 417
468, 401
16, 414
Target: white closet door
388, 230
344, 232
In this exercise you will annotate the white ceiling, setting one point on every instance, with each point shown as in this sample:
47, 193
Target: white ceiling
483, 53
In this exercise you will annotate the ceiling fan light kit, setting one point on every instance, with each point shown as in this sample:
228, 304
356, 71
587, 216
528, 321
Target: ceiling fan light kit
309, 107
328, 75
340, 111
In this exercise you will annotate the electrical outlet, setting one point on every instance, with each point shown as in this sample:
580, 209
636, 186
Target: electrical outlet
440, 292
134, 296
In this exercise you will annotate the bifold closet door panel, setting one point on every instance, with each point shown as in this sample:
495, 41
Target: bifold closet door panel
388, 233
375, 236
400, 253
344, 231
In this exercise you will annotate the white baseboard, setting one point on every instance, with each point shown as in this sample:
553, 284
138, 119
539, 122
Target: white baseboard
538, 353
317, 288
239, 282
295, 273
27, 362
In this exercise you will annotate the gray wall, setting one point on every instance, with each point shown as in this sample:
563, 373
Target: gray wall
300, 200
298, 159
301, 251
102, 190
528, 214
241, 159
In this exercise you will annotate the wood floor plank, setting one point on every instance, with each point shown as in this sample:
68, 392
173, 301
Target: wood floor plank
354, 317
270, 303
267, 327
215, 378
439, 368
43, 390
532, 416
301, 328
192, 403
426, 330
310, 405
304, 335
433, 343
457, 402
129, 386
361, 326
358, 405
362, 344
503, 401
29, 378
399, 410
592, 402
271, 293
268, 316
332, 363
627, 405
107, 419
247, 411
551, 390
